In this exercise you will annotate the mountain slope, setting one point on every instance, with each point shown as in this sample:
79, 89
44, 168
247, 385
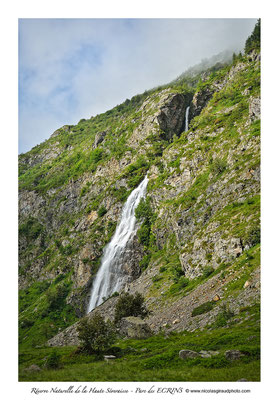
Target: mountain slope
202, 240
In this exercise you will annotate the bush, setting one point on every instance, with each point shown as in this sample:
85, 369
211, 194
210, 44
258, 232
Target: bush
145, 261
253, 236
144, 210
144, 234
31, 228
207, 271
96, 335
53, 360
130, 305
55, 297
97, 155
218, 166
224, 316
177, 273
203, 308
145, 214
102, 211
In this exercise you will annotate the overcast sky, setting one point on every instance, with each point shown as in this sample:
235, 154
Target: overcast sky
76, 68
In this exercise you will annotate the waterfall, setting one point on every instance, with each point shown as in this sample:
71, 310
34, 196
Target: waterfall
110, 277
186, 118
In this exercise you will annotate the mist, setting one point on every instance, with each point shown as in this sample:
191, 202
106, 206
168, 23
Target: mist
76, 68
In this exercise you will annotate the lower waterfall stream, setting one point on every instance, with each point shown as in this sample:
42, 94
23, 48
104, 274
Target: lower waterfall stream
110, 278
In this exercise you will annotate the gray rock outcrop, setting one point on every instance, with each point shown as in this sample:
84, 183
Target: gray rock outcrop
185, 354
134, 327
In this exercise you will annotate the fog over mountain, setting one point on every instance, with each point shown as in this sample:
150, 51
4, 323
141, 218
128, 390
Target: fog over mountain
75, 68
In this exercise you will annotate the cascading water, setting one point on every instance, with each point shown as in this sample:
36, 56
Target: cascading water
110, 278
186, 118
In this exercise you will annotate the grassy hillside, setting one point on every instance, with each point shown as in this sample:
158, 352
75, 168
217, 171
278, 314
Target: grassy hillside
198, 236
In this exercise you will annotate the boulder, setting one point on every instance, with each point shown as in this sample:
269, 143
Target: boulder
233, 355
254, 108
184, 354
109, 358
171, 118
134, 327
33, 368
99, 138
247, 284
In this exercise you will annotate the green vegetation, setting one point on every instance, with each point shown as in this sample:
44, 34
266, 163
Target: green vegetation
218, 166
31, 229
202, 198
254, 40
96, 335
203, 308
53, 360
102, 211
224, 316
145, 214
130, 305
156, 358
44, 311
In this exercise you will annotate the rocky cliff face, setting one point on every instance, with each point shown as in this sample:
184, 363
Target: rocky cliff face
204, 186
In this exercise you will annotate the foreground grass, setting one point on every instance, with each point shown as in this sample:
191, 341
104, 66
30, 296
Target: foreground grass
156, 358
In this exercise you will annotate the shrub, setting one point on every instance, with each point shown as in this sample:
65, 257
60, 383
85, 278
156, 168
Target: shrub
253, 236
145, 214
96, 335
145, 261
144, 234
144, 210
31, 228
218, 166
130, 305
207, 271
183, 282
177, 273
203, 308
97, 155
102, 211
56, 297
53, 360
224, 316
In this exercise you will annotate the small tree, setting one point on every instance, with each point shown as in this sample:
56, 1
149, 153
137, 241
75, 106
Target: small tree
254, 40
53, 360
130, 305
96, 335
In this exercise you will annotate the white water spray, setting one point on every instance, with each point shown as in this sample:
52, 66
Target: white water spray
110, 277
186, 118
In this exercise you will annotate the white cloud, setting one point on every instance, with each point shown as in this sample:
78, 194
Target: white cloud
72, 69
